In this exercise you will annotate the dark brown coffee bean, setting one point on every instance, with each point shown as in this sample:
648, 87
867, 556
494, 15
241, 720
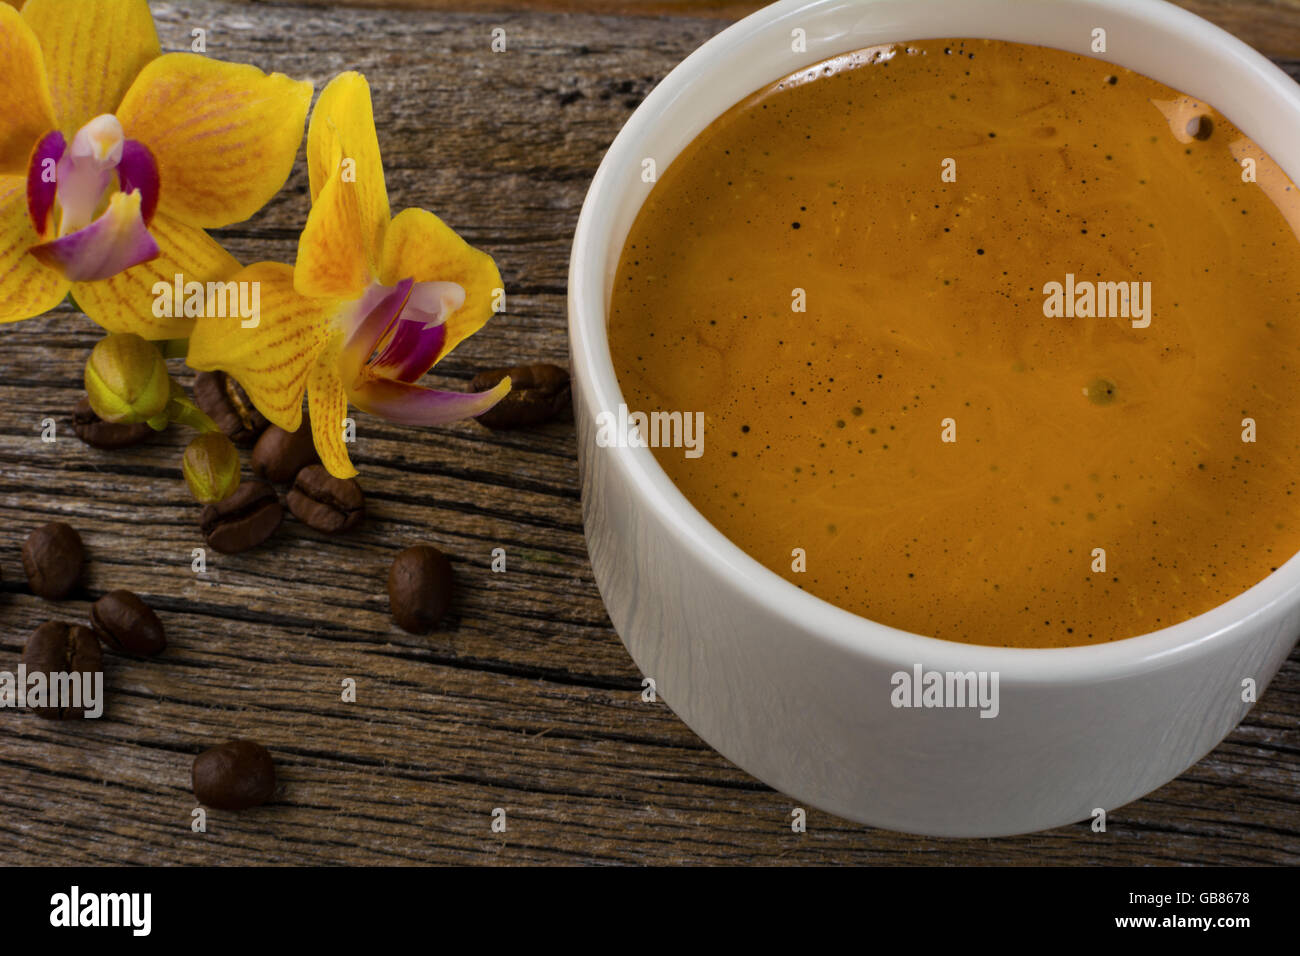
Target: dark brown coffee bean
329, 504
56, 649
537, 394
97, 433
279, 455
125, 624
235, 775
52, 557
244, 520
419, 588
223, 400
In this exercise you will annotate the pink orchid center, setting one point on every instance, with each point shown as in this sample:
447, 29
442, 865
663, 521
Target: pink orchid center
96, 197
400, 331
86, 173
394, 334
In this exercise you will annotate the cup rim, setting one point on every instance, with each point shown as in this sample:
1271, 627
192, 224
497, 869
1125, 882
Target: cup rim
801, 610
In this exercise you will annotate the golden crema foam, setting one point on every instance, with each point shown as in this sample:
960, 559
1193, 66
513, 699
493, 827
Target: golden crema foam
992, 342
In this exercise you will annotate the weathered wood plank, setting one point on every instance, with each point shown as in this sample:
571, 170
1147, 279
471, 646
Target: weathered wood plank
1270, 26
526, 699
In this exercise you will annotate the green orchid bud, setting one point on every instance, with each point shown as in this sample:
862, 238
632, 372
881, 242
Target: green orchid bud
127, 381
211, 467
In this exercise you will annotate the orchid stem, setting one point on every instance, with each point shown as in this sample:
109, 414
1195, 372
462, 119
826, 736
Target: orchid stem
182, 410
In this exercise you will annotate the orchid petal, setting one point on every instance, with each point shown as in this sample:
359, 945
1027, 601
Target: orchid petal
139, 170
93, 50
126, 302
27, 288
26, 111
343, 128
327, 405
115, 241
41, 187
334, 254
272, 361
421, 246
225, 135
409, 404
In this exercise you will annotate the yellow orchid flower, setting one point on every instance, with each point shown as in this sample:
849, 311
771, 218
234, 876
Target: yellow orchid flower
371, 305
115, 158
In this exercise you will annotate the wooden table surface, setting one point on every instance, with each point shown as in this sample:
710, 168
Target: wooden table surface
526, 699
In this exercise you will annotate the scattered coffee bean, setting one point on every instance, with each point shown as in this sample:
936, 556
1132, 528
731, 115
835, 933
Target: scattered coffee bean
537, 394
97, 433
329, 504
244, 520
223, 400
125, 624
58, 648
52, 557
279, 455
235, 775
419, 588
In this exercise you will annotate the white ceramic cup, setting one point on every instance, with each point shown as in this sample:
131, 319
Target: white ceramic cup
797, 691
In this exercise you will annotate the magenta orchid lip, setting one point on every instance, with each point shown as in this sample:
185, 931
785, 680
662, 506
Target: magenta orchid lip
72, 183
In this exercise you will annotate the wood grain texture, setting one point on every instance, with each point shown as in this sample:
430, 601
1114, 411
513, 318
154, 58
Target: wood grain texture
1271, 26
526, 699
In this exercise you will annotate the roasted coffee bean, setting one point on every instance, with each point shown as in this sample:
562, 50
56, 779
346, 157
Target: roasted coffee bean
537, 394
244, 520
58, 648
329, 504
52, 557
125, 624
419, 588
235, 775
223, 400
279, 455
97, 433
